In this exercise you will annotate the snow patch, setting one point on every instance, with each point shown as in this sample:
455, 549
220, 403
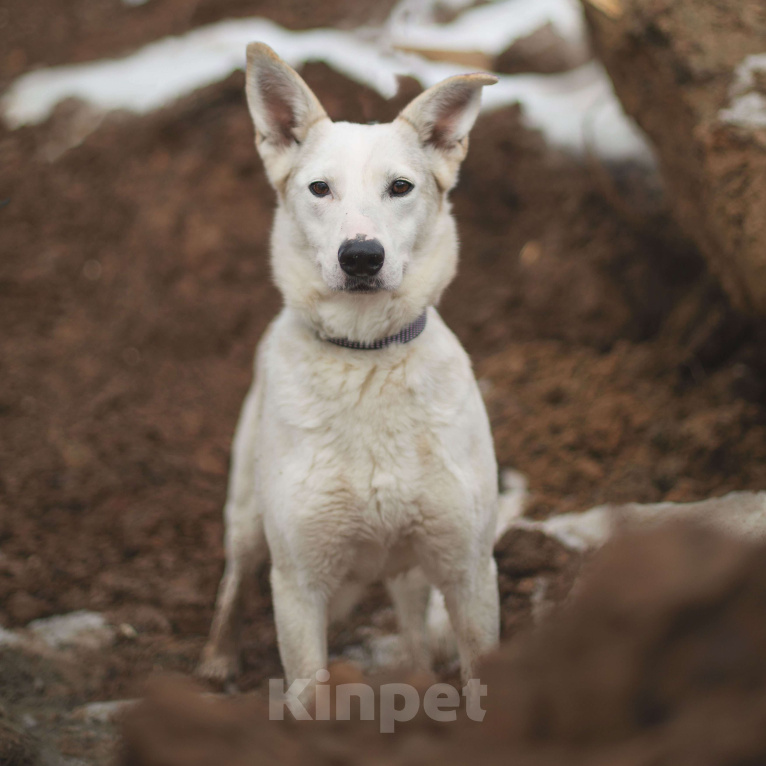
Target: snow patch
577, 111
9, 637
577, 531
377, 652
747, 101
102, 712
489, 28
82, 630
565, 107
739, 514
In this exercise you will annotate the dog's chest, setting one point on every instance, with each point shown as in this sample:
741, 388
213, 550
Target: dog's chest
365, 433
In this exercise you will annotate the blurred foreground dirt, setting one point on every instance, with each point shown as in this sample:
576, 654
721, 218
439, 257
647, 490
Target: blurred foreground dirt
659, 659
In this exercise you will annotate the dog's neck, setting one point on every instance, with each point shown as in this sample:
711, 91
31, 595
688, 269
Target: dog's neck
405, 335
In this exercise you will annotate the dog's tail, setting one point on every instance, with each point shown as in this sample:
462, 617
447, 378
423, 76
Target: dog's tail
513, 498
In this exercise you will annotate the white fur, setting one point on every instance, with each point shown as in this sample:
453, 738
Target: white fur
353, 465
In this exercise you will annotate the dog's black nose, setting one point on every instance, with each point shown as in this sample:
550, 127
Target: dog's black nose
361, 257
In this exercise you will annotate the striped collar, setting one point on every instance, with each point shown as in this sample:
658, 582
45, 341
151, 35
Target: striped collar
405, 335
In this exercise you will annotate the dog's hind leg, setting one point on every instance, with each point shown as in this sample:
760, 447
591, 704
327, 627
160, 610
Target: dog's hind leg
441, 637
246, 549
410, 593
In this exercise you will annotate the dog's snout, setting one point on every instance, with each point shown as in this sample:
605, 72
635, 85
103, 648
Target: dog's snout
361, 257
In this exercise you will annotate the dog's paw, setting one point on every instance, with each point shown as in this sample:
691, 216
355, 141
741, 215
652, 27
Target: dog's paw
218, 668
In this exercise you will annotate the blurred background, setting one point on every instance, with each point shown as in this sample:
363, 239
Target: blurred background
611, 293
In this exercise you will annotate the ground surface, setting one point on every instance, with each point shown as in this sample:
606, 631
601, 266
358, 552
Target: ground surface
134, 285
659, 659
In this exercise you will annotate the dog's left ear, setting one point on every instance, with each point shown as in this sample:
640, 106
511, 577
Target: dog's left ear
443, 117
282, 106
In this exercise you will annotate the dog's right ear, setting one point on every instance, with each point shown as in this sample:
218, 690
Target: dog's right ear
282, 106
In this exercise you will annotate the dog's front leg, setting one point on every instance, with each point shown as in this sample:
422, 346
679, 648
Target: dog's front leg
474, 608
300, 612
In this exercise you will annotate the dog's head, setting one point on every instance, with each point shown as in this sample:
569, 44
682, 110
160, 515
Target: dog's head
363, 238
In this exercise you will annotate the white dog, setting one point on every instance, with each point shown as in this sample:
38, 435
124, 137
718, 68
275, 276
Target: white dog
363, 451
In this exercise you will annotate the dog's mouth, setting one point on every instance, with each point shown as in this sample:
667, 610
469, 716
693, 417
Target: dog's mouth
362, 285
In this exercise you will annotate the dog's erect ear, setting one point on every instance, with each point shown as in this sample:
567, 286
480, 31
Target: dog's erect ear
443, 117
282, 106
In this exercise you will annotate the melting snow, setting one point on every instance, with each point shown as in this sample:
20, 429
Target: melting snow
9, 637
576, 110
740, 514
83, 629
489, 28
747, 106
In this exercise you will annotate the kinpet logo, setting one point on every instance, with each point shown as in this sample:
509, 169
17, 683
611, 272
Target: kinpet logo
398, 702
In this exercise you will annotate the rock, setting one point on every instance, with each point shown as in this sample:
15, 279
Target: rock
691, 74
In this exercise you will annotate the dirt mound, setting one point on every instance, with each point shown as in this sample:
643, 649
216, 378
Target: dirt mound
660, 658
681, 69
628, 426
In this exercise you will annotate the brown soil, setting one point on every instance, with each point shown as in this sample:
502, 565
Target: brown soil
543, 51
134, 285
660, 659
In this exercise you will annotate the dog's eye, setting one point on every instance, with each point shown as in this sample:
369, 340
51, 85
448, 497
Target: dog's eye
319, 189
400, 187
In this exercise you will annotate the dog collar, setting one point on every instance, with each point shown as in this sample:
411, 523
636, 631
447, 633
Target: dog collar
405, 335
